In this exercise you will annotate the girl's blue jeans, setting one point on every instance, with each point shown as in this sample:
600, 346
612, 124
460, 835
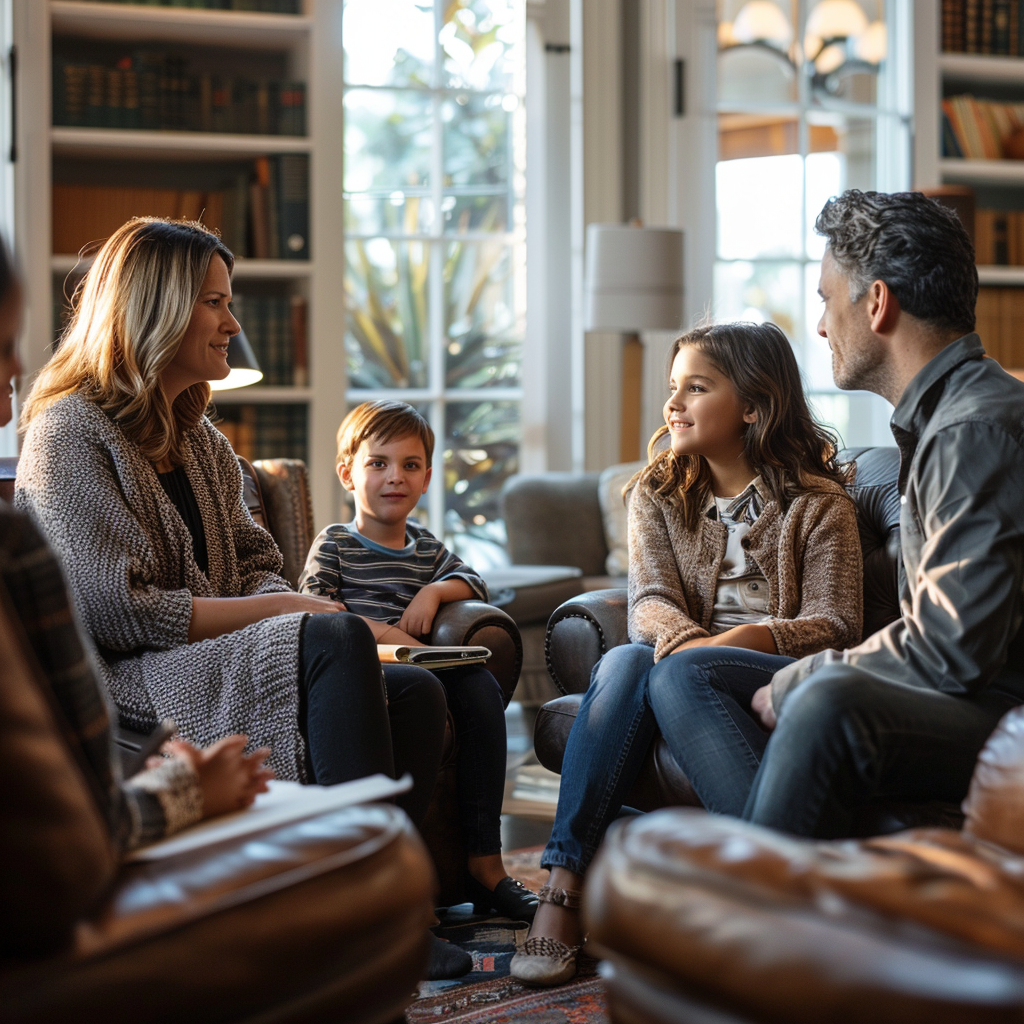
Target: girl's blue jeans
700, 701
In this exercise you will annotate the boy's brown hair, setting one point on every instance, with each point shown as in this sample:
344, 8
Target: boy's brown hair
383, 420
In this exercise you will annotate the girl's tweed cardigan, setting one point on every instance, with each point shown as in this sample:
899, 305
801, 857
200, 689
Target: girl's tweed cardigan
810, 557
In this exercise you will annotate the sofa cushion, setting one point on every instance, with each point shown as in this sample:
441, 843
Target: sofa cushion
57, 855
613, 514
922, 927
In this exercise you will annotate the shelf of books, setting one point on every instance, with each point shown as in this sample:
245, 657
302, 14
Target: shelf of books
979, 73
159, 109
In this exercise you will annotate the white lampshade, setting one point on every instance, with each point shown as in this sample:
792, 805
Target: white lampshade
634, 278
837, 19
872, 43
761, 21
245, 370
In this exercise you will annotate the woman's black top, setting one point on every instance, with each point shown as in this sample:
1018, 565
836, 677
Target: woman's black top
179, 490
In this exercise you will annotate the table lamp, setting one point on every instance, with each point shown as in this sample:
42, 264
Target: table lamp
242, 362
634, 283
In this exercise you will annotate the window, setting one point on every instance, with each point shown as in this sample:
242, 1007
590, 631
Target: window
808, 105
435, 238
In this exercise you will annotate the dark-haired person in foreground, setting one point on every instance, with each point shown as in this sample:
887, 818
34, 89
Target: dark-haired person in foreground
905, 714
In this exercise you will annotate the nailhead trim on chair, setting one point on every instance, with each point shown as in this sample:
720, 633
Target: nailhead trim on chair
547, 646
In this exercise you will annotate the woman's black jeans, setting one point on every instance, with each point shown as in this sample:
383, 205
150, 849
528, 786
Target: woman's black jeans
351, 728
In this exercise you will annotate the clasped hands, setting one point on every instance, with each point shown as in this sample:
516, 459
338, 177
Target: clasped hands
753, 637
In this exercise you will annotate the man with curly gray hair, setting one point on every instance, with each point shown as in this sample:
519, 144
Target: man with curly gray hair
903, 715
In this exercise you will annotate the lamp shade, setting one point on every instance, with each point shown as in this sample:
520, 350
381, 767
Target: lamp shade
244, 369
634, 278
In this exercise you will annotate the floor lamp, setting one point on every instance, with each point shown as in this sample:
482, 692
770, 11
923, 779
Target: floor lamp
634, 283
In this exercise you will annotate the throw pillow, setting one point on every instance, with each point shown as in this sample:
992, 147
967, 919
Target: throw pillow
613, 513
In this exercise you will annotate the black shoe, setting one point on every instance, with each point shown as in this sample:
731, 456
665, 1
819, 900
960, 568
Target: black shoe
446, 960
510, 898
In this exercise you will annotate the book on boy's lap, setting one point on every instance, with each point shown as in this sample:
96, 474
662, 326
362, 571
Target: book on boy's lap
431, 657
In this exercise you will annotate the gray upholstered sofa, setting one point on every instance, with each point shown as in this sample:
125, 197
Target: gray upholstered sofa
562, 519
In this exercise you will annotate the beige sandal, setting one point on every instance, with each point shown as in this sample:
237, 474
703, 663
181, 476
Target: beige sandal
543, 961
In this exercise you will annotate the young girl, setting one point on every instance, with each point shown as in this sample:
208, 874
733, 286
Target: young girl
743, 555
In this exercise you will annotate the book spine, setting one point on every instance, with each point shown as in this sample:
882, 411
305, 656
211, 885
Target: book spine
950, 146
299, 341
1000, 240
1001, 27
274, 208
952, 26
293, 205
259, 196
972, 26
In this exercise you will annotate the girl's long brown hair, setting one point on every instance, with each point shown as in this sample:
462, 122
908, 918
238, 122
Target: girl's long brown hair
786, 446
129, 316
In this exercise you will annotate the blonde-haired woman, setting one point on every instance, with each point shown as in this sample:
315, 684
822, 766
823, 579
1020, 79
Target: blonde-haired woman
142, 498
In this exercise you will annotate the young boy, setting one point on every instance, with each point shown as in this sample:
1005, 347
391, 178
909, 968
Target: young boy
382, 566
389, 570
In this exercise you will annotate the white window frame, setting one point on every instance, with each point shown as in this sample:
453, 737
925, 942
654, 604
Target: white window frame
689, 171
436, 396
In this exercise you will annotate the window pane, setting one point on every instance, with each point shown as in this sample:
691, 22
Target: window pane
387, 139
480, 40
846, 64
481, 452
756, 75
473, 210
483, 335
476, 140
387, 304
400, 212
759, 292
759, 207
817, 362
388, 42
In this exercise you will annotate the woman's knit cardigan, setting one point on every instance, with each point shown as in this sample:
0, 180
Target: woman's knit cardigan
128, 558
810, 555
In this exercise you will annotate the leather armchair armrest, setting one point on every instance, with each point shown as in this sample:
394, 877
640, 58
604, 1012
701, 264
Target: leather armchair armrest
474, 623
579, 633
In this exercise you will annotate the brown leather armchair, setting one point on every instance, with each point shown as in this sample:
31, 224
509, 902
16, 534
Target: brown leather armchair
323, 919
581, 630
705, 918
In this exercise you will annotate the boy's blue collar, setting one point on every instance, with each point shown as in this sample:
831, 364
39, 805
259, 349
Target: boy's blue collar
410, 541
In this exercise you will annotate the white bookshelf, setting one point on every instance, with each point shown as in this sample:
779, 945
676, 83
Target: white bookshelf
938, 74
179, 25
311, 47
128, 144
246, 269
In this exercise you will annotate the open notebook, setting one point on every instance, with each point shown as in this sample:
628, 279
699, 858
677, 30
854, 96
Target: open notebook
431, 657
284, 803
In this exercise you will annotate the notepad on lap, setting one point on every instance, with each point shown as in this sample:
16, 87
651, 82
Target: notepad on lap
285, 802
431, 657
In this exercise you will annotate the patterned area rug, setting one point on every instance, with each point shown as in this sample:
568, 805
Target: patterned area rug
487, 995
